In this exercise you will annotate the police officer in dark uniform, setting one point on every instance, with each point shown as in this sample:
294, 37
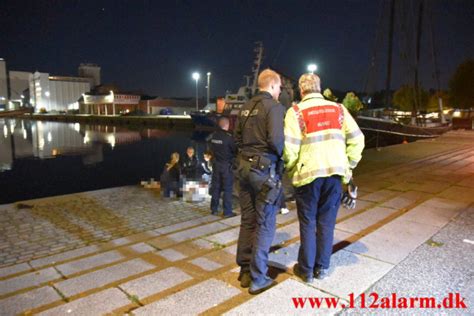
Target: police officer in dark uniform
259, 137
224, 150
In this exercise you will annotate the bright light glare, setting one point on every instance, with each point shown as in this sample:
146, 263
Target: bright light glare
312, 68
196, 76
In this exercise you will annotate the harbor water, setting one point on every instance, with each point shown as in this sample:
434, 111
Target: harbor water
41, 158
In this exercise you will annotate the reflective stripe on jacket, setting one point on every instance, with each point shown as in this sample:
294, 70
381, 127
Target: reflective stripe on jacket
330, 144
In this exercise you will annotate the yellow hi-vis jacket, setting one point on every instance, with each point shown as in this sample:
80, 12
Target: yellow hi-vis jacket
321, 139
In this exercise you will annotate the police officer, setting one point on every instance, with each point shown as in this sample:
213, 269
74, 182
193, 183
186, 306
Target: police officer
224, 150
259, 137
322, 145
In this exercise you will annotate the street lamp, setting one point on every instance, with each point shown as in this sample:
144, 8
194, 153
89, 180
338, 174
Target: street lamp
196, 77
312, 68
208, 86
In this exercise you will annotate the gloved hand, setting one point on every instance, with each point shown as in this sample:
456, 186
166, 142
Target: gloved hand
349, 197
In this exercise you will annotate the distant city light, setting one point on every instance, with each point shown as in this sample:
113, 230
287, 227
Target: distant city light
312, 68
47, 94
24, 134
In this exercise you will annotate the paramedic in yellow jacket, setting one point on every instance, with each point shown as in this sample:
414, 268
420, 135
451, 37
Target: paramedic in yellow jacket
322, 145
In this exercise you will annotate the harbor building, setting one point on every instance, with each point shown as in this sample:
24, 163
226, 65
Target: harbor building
19, 85
56, 93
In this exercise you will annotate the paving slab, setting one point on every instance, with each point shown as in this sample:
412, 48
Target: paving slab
279, 301
17, 268
186, 224
90, 262
405, 200
133, 238
16, 304
225, 237
193, 300
102, 277
202, 244
231, 250
64, 256
432, 186
197, 232
206, 264
394, 241
171, 255
233, 221
141, 248
155, 283
379, 196
286, 257
437, 212
351, 273
366, 219
286, 233
28, 280
467, 182
459, 193
96, 304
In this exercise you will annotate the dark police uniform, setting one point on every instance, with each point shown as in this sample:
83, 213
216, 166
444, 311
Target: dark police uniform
259, 137
224, 150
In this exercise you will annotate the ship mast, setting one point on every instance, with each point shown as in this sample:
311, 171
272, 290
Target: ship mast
257, 63
389, 54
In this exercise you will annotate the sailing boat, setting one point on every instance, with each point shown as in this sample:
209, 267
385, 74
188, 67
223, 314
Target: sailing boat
379, 131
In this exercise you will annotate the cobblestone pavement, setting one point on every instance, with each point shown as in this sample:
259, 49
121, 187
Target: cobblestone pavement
126, 250
36, 228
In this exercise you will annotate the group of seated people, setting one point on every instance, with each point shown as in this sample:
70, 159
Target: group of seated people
177, 171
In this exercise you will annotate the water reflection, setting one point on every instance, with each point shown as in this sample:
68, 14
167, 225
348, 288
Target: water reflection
39, 158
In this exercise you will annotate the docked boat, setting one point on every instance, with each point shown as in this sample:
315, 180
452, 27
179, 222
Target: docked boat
232, 101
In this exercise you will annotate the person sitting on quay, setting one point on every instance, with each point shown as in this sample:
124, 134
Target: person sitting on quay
206, 167
189, 165
171, 176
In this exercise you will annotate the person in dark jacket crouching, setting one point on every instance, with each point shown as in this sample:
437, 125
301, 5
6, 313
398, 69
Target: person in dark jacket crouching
169, 179
190, 165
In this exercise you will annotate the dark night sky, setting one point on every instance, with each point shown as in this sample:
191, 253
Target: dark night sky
153, 46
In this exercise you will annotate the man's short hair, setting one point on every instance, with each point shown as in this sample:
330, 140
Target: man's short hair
223, 121
267, 77
309, 83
